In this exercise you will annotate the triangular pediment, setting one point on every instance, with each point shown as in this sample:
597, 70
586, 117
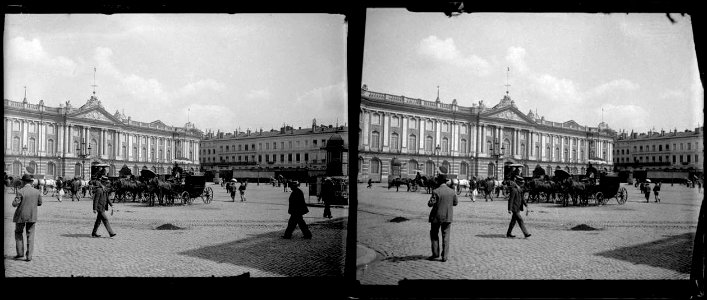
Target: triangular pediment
96, 113
508, 113
571, 124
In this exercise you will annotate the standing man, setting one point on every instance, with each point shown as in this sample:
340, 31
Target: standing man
370, 183
26, 201
647, 191
656, 191
515, 206
442, 202
297, 209
100, 206
59, 188
327, 196
75, 188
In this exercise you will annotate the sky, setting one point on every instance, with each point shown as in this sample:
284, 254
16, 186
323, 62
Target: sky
219, 71
639, 68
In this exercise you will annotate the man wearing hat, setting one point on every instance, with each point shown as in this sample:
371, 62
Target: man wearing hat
328, 195
297, 209
442, 202
100, 206
515, 206
26, 201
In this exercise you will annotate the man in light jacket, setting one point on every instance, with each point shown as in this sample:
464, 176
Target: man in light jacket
26, 201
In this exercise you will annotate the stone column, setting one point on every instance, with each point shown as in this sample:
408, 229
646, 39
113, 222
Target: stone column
404, 138
385, 135
438, 134
366, 129
423, 134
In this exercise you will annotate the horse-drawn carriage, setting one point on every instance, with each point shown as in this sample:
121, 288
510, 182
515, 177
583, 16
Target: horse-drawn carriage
600, 190
192, 186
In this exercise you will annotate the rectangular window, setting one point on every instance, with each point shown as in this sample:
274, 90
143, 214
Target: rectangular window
260, 146
289, 157
267, 146
696, 160
289, 143
314, 143
282, 157
297, 157
681, 158
274, 145
306, 157
282, 145
660, 147
689, 146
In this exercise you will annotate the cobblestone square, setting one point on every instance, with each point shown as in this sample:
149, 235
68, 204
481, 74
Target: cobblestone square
222, 238
637, 240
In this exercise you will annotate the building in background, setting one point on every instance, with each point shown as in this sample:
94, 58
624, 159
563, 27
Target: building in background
55, 141
291, 152
660, 155
402, 136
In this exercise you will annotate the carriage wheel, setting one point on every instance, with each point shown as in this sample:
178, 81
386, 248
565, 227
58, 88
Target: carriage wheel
623, 196
600, 198
127, 195
186, 199
414, 188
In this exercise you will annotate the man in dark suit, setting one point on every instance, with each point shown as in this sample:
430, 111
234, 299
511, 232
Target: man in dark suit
26, 200
515, 206
100, 206
75, 188
442, 202
297, 209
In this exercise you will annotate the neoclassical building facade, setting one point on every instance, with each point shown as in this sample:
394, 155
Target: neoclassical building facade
398, 134
53, 141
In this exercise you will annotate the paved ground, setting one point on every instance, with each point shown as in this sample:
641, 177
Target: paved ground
222, 238
637, 240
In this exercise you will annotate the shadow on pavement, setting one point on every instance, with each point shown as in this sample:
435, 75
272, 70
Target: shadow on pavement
672, 253
406, 258
492, 236
323, 255
77, 235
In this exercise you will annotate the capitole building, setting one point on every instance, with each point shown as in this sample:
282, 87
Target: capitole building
54, 141
401, 136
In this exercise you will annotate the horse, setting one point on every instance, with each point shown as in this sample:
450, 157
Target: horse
423, 181
488, 186
463, 184
397, 182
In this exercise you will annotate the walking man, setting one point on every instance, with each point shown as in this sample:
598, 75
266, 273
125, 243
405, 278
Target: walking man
100, 206
231, 187
26, 201
647, 191
515, 206
297, 209
59, 188
656, 191
442, 202
370, 183
241, 189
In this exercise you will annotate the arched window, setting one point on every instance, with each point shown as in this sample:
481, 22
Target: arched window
16, 144
124, 151
566, 157
445, 145
76, 145
375, 140
557, 154
428, 144
462, 146
375, 166
463, 169
412, 143
394, 139
412, 167
491, 170
537, 150
77, 170
169, 156
94, 147
522, 151
489, 147
574, 155
51, 169
110, 150
160, 155
446, 165
547, 153
135, 153
191, 155
33, 166
506, 147
32, 144
144, 154
17, 168
152, 154
50, 147
429, 168
111, 170
136, 170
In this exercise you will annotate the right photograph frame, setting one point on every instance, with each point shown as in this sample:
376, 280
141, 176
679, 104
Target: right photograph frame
515, 146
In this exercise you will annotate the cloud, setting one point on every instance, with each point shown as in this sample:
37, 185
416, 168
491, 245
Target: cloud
672, 94
193, 88
629, 115
210, 115
614, 85
258, 94
332, 98
33, 53
516, 57
446, 51
557, 89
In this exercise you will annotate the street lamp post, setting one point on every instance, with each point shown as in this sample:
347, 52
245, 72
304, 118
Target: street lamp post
258, 174
496, 154
83, 154
437, 148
